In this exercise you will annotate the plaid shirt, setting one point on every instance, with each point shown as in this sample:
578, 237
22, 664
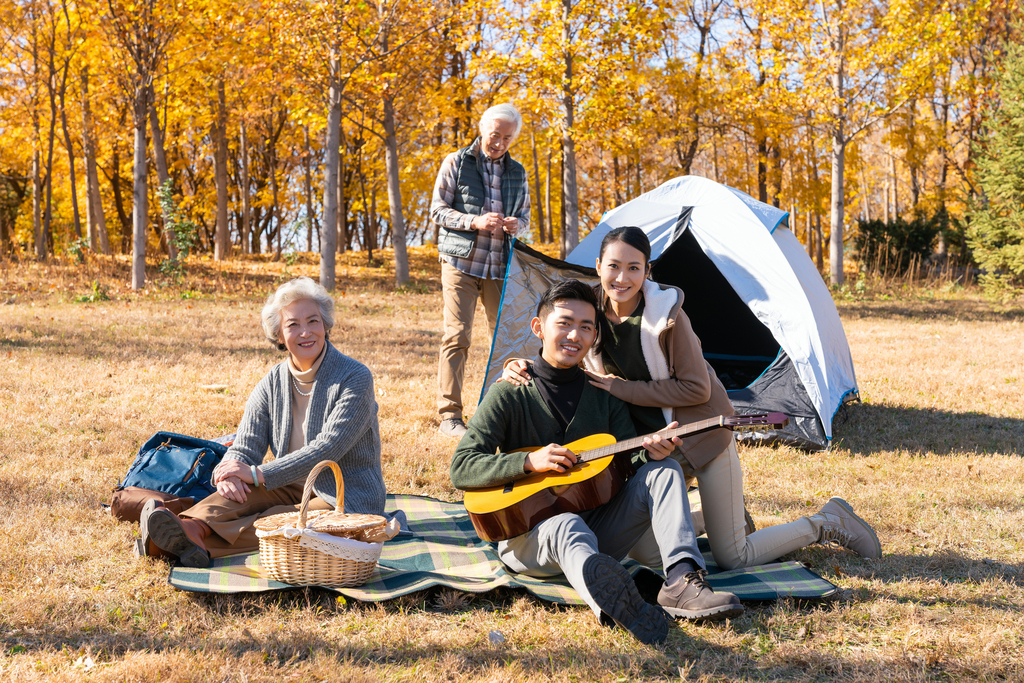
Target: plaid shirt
487, 260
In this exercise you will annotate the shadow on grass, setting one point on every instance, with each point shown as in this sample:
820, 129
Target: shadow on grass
946, 567
870, 428
930, 311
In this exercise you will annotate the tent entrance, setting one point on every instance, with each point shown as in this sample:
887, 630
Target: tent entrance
736, 344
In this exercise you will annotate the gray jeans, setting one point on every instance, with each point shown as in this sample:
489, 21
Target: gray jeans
652, 500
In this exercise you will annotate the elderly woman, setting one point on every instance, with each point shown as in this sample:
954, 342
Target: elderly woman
316, 405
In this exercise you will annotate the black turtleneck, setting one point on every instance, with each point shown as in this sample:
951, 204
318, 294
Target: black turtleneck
560, 389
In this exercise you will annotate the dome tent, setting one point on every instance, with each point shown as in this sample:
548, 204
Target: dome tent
766, 320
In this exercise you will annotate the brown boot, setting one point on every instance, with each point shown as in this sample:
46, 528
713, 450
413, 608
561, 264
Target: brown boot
687, 594
160, 529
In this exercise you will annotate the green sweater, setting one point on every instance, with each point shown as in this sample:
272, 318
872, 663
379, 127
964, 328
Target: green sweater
512, 417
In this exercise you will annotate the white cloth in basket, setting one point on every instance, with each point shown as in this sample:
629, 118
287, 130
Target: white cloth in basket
343, 548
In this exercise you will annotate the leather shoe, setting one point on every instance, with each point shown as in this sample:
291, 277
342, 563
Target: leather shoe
687, 594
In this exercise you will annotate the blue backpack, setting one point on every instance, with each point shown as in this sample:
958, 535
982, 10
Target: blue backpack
175, 464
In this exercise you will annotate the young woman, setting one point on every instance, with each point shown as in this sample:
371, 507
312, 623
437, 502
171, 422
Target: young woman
318, 404
651, 359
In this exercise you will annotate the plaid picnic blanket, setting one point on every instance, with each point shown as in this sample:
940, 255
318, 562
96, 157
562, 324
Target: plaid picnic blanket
444, 550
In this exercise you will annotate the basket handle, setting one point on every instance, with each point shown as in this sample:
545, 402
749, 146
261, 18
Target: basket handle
307, 491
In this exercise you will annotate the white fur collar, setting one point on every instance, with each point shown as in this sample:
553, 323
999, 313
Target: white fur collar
658, 304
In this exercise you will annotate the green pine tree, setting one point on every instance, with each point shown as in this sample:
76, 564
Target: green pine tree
996, 232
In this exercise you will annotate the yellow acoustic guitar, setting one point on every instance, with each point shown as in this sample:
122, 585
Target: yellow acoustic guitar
602, 466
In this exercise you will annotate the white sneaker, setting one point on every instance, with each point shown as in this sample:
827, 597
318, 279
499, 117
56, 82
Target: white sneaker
453, 426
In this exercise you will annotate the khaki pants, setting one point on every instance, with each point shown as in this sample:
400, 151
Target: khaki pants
720, 484
232, 523
460, 293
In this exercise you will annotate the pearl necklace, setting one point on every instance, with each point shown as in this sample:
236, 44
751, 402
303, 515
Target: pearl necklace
299, 391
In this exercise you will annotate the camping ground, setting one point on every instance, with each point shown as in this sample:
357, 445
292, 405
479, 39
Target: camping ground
88, 370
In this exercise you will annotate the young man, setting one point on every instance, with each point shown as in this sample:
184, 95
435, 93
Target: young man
561, 406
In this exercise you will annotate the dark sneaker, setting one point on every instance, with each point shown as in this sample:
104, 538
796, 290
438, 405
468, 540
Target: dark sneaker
689, 595
165, 530
453, 426
613, 590
842, 527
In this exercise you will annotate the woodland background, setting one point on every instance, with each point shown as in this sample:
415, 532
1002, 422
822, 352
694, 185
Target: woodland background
169, 128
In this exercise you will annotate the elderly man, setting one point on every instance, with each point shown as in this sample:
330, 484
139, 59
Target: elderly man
481, 200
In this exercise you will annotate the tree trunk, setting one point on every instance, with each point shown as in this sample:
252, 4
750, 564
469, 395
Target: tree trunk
243, 162
395, 194
819, 240
76, 216
892, 180
48, 212
96, 222
342, 202
762, 163
329, 227
140, 190
550, 237
838, 160
163, 176
307, 187
37, 206
942, 248
222, 239
810, 236
775, 175
115, 187
536, 188
615, 176
275, 208
915, 175
570, 191
561, 240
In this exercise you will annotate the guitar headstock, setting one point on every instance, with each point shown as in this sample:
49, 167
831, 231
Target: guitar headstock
757, 421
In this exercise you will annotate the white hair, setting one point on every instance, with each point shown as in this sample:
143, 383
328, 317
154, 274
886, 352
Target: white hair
295, 290
503, 112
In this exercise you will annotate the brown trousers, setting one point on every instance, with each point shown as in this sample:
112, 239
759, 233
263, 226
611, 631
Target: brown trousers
232, 523
460, 293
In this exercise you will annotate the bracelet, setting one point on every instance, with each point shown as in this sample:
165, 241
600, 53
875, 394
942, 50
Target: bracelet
255, 479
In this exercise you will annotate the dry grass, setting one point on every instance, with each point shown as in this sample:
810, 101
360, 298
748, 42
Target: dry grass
932, 458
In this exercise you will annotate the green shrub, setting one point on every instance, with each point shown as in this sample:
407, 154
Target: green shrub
892, 247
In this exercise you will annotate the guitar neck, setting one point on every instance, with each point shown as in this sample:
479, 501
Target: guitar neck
638, 442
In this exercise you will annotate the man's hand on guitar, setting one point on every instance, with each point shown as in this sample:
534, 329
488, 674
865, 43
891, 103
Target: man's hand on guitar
660, 448
551, 458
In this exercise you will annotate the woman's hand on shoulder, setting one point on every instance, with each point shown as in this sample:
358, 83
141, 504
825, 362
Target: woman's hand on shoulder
515, 373
601, 381
233, 488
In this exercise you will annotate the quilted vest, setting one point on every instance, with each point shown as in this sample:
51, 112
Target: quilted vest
470, 194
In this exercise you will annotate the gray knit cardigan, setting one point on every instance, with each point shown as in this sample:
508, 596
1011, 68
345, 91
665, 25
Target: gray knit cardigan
341, 426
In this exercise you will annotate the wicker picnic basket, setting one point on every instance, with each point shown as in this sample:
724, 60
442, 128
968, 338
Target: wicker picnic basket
348, 554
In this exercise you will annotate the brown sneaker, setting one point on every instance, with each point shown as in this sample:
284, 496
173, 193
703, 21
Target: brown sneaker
687, 594
842, 527
612, 588
453, 426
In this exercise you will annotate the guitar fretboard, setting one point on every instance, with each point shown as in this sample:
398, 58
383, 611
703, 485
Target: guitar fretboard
635, 443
